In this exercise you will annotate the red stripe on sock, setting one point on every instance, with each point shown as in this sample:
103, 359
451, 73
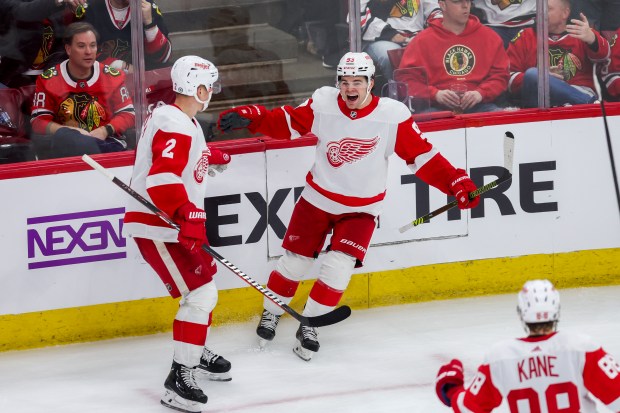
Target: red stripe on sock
281, 285
325, 295
190, 333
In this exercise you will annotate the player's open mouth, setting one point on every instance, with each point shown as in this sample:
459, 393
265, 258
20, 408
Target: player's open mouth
352, 98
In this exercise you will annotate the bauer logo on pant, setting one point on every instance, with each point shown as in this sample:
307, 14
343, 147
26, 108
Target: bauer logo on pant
75, 238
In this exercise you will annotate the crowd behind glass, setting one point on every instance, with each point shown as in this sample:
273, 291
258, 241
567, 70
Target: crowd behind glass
65, 91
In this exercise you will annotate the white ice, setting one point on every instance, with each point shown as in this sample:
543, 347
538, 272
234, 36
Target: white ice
379, 360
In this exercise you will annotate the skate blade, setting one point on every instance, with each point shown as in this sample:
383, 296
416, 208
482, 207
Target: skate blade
303, 353
204, 374
176, 402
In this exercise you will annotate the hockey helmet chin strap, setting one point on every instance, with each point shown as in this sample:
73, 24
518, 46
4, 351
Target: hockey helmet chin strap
204, 103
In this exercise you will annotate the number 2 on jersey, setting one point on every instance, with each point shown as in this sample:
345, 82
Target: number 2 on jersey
167, 152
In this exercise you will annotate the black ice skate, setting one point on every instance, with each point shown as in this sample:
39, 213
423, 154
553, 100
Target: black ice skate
266, 329
213, 366
307, 342
182, 392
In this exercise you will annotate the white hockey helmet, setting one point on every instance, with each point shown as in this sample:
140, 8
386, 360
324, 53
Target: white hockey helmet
189, 72
356, 64
538, 302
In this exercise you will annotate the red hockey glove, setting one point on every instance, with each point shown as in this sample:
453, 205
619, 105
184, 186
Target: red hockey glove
192, 221
460, 187
218, 161
242, 117
449, 381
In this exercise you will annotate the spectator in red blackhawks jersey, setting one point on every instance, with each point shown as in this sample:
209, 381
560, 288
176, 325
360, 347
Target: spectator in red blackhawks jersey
80, 106
573, 49
547, 371
357, 132
611, 72
111, 18
466, 64
170, 170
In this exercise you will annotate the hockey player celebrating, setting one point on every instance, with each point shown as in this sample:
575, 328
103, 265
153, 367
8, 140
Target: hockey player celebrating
172, 161
357, 132
547, 371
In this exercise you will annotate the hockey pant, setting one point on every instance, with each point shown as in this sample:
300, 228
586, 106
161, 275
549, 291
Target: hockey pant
334, 276
191, 324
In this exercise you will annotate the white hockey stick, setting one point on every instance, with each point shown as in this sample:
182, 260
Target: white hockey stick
332, 317
509, 144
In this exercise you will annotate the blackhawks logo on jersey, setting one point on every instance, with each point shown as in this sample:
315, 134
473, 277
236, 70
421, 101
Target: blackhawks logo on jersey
459, 60
405, 8
565, 61
49, 73
111, 71
82, 111
502, 4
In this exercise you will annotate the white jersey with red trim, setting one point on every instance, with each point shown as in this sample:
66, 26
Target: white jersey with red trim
553, 373
170, 169
351, 162
507, 13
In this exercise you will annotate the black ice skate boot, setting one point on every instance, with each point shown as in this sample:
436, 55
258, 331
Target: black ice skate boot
213, 366
307, 342
182, 392
266, 329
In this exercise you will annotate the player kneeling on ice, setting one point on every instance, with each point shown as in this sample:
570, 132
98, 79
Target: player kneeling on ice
170, 170
357, 132
547, 371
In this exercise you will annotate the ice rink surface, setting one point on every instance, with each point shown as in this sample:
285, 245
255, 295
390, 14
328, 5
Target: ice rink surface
379, 360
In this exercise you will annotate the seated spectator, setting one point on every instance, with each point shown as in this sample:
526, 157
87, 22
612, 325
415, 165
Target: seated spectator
506, 17
465, 62
111, 19
28, 31
611, 72
391, 24
573, 48
80, 105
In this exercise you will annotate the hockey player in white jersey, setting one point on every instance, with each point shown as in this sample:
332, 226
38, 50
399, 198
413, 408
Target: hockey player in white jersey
170, 170
357, 132
546, 372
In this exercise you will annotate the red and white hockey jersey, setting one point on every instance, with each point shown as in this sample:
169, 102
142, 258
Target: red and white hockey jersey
551, 373
351, 163
170, 169
507, 13
611, 73
382, 20
88, 103
574, 56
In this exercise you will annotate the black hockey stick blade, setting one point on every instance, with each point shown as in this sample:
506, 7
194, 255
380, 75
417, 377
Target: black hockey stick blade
509, 144
332, 317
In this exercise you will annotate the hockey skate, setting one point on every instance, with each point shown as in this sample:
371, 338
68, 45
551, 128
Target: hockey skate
182, 392
307, 342
266, 329
213, 366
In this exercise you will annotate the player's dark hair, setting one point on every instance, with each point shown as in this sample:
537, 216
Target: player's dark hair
77, 28
537, 329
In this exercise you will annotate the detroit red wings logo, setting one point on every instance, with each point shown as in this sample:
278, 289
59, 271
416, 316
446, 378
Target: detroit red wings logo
350, 150
202, 166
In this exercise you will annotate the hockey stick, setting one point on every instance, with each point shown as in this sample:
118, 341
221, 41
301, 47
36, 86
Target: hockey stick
332, 317
597, 86
509, 143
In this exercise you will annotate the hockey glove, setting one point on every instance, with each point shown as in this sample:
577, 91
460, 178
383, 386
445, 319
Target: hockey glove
218, 161
242, 117
192, 221
449, 381
460, 187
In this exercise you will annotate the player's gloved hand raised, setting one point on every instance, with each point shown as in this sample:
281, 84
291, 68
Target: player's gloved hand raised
449, 381
192, 221
242, 117
460, 187
218, 161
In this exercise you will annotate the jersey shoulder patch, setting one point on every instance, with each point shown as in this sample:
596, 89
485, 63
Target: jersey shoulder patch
50, 73
108, 70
